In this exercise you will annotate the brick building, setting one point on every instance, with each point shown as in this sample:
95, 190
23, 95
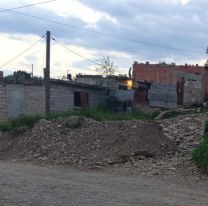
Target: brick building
190, 81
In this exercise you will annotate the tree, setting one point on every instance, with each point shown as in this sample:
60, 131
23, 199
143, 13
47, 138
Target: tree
18, 75
106, 66
107, 69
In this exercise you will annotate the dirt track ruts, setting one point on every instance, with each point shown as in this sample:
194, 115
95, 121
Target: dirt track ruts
24, 184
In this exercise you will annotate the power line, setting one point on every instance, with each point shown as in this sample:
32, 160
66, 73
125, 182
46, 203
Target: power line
89, 60
22, 52
105, 34
28, 5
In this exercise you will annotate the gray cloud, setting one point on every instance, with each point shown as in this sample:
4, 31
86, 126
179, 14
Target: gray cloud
160, 22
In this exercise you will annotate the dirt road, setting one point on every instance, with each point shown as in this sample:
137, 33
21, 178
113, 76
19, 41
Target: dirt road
24, 184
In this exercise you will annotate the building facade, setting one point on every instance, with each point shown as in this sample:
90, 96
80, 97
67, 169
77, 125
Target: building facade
25, 98
185, 85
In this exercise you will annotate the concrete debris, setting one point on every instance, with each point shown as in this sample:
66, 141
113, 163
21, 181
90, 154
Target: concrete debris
88, 143
186, 131
162, 147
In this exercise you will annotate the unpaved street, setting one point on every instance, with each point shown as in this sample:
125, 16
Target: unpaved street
23, 184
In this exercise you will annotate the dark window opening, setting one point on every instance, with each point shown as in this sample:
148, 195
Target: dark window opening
81, 99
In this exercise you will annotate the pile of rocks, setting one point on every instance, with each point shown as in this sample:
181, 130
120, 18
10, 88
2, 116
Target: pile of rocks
187, 132
86, 142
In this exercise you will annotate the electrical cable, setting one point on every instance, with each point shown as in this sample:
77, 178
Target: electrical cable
22, 52
25, 6
106, 34
89, 60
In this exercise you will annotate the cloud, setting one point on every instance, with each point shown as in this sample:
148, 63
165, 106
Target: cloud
180, 24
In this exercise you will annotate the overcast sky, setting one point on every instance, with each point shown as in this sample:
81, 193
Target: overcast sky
160, 30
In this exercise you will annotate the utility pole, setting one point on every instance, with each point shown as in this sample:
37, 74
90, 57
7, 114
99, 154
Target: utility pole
47, 74
32, 71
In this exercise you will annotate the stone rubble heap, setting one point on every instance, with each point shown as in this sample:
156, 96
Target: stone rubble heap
187, 132
161, 147
88, 143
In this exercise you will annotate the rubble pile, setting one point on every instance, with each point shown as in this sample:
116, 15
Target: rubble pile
161, 147
187, 132
86, 142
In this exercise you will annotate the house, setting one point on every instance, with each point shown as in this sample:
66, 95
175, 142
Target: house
120, 89
169, 85
121, 82
28, 97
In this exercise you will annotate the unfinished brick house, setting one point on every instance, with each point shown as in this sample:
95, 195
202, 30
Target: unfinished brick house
183, 85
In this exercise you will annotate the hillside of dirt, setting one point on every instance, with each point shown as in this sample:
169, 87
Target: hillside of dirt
86, 142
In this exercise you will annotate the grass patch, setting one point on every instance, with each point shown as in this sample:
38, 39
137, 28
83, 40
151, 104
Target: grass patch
99, 114
200, 155
13, 124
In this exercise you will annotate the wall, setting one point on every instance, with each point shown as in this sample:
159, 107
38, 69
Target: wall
193, 92
3, 102
15, 100
96, 80
165, 73
34, 99
21, 99
193, 88
162, 95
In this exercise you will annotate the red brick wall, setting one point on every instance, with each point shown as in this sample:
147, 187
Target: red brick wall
166, 73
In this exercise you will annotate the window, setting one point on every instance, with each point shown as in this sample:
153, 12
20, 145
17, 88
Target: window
81, 99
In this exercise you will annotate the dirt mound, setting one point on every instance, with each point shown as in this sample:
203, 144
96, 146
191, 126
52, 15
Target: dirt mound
86, 142
187, 132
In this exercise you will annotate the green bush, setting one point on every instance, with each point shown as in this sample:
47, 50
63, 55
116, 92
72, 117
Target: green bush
99, 114
200, 155
28, 121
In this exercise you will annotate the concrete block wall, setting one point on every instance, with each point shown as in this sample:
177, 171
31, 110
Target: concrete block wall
193, 92
3, 102
62, 98
34, 99
97, 98
26, 99
15, 100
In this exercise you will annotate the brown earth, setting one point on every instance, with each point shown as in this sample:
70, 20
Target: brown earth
88, 142
187, 133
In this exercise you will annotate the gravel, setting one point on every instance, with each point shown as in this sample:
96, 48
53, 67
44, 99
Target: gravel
157, 148
88, 143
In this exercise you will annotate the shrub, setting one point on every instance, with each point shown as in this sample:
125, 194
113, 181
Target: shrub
200, 155
28, 121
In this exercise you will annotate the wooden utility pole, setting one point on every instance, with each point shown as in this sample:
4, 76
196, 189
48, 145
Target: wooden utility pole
47, 74
32, 71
